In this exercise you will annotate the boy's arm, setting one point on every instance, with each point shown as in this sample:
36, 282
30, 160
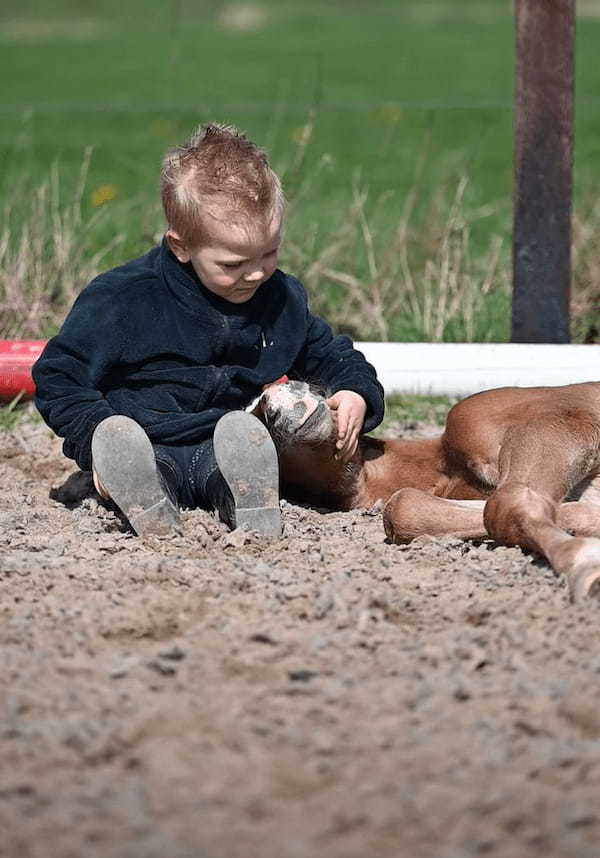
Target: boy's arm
334, 363
68, 376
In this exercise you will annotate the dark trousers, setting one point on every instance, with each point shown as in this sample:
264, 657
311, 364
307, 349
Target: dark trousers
191, 475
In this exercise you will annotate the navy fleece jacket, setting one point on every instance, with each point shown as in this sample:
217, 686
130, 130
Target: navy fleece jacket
148, 340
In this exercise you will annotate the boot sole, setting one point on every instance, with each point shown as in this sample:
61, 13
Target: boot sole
247, 459
124, 461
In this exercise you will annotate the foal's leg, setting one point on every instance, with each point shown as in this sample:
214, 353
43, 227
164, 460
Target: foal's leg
410, 513
580, 518
539, 464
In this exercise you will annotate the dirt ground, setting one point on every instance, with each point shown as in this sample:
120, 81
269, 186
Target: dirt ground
212, 696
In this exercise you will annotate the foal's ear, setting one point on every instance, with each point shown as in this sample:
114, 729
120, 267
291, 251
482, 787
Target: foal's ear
255, 406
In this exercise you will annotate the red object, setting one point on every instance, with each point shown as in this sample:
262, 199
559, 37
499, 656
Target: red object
281, 380
16, 360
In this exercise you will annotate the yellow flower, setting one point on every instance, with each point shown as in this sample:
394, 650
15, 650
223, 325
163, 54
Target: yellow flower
162, 127
387, 114
302, 134
103, 194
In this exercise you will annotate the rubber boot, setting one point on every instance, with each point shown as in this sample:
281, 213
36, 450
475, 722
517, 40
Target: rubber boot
247, 460
123, 458
219, 496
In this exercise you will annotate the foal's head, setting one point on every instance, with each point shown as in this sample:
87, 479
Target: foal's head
295, 412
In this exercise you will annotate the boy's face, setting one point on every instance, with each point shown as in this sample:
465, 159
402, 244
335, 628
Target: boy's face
233, 262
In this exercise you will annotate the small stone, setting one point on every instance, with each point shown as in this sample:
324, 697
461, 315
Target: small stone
123, 667
461, 694
161, 668
174, 653
118, 673
302, 675
375, 509
236, 538
325, 602
262, 637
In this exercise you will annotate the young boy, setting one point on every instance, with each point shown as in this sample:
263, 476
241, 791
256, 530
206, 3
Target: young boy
148, 377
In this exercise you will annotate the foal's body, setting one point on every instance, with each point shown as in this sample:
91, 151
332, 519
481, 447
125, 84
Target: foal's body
505, 464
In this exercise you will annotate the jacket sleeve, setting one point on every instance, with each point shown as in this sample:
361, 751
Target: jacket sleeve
68, 374
333, 363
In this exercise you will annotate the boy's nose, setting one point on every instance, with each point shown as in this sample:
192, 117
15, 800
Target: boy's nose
253, 275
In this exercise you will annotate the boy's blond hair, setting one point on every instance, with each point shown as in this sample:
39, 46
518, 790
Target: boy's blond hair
219, 174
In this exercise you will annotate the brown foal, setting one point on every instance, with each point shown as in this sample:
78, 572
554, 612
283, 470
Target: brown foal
520, 465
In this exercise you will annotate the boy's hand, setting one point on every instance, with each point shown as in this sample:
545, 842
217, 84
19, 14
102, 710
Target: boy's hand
350, 411
99, 487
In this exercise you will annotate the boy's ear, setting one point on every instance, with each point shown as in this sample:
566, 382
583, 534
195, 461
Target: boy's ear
177, 246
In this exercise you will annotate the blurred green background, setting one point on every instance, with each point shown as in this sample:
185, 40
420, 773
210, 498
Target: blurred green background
363, 106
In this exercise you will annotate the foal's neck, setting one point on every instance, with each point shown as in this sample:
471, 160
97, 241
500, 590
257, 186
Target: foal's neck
392, 464
377, 470
312, 474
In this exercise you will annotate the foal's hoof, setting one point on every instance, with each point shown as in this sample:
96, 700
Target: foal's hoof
585, 584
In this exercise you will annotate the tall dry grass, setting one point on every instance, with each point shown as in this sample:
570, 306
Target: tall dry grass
415, 275
48, 252
585, 296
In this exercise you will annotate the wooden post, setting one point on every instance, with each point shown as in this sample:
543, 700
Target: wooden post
543, 165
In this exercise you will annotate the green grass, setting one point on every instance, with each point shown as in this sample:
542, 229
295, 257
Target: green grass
381, 78
13, 413
408, 409
383, 87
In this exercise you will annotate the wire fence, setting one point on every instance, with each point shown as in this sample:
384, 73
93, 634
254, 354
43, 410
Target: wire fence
168, 107
110, 107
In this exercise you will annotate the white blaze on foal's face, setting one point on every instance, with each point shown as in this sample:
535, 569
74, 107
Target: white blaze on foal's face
293, 411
